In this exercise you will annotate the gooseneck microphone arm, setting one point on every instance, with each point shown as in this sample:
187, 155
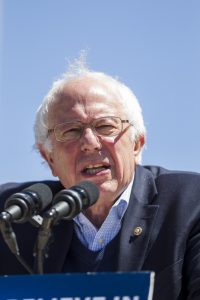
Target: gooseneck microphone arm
11, 240
44, 235
67, 204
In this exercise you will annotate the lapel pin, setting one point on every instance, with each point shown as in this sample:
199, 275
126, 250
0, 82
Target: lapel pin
136, 232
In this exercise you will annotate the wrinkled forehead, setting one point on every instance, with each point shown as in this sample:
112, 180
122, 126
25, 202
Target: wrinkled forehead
78, 92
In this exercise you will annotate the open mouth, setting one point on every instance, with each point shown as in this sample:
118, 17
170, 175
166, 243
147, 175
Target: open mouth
95, 169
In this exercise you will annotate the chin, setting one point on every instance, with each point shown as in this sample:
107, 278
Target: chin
107, 187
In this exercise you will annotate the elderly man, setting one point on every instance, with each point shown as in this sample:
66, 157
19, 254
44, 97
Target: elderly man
90, 127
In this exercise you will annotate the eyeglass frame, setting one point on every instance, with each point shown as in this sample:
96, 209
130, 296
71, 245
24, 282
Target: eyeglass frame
123, 121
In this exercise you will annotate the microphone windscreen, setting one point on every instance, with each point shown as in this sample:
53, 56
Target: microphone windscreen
90, 189
42, 192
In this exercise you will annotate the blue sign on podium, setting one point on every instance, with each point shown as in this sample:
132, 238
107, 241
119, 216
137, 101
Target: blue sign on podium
78, 286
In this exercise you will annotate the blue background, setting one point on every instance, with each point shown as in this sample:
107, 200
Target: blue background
153, 46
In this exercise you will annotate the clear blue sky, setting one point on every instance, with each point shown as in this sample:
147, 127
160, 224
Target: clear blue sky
152, 46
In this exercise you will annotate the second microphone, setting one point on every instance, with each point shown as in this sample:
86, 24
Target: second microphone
70, 202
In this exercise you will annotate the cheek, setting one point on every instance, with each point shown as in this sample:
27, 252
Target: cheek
124, 157
63, 162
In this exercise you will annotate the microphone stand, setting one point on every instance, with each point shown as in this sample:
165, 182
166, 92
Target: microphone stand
11, 240
42, 242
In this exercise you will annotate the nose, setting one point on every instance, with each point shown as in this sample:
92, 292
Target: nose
90, 141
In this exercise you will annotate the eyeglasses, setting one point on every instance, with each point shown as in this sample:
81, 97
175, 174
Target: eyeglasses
71, 131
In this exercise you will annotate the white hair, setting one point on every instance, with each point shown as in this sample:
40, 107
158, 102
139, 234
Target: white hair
79, 70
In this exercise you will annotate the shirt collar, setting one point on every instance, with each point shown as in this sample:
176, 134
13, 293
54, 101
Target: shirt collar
126, 194
122, 202
120, 205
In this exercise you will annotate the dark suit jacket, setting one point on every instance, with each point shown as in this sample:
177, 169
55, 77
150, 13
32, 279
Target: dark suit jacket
165, 204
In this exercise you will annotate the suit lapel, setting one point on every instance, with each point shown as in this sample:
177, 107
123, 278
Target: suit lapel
136, 233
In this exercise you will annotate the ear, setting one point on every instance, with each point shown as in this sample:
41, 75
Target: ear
48, 157
139, 143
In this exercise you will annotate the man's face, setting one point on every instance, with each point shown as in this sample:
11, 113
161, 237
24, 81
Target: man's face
109, 162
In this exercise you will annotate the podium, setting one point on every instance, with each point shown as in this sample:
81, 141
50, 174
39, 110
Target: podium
78, 286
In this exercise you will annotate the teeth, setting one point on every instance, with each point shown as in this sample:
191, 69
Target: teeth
94, 166
94, 169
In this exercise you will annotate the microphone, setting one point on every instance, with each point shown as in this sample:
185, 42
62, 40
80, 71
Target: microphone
25, 205
69, 202
19, 208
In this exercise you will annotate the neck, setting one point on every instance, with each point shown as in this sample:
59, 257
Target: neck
97, 213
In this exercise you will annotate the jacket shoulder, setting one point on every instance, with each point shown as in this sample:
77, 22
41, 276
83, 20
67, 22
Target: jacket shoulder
173, 181
157, 171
